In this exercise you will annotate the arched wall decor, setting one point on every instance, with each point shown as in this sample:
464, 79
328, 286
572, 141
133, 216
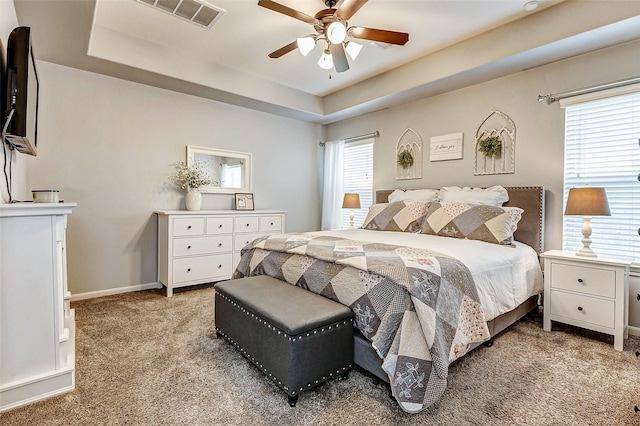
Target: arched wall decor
409, 142
495, 125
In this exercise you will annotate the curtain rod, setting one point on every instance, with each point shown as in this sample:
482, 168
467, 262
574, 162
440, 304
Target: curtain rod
556, 97
359, 138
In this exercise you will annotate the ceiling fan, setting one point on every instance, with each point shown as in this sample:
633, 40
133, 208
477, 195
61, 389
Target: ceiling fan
331, 26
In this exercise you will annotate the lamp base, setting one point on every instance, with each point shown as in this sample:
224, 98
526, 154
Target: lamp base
586, 252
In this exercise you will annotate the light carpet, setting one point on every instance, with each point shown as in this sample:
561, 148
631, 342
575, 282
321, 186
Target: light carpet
145, 359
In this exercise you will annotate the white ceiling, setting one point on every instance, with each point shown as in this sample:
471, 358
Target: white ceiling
229, 62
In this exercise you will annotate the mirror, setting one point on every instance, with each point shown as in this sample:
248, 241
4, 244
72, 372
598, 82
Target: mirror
230, 170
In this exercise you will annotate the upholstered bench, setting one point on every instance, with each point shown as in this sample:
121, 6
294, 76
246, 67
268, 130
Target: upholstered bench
297, 338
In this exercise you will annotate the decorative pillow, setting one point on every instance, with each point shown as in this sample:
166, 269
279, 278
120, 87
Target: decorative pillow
480, 222
401, 216
493, 196
413, 195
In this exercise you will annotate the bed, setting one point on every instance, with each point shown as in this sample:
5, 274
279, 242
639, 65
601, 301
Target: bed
419, 301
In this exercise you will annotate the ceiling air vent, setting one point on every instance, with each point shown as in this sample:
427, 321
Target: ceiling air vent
196, 12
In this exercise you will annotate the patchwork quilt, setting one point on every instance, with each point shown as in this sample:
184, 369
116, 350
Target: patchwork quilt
420, 309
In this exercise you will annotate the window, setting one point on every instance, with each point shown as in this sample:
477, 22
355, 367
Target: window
601, 149
358, 178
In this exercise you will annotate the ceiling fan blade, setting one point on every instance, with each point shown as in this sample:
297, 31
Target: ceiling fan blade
339, 58
277, 7
385, 36
348, 8
284, 50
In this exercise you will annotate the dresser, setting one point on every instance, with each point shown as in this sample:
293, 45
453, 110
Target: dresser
592, 293
196, 247
37, 324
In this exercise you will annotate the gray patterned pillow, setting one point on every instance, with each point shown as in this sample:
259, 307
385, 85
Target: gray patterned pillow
475, 222
402, 216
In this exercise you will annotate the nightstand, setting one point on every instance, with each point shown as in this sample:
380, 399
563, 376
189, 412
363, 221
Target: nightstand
592, 293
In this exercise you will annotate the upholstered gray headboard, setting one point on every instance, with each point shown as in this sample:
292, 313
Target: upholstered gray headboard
529, 198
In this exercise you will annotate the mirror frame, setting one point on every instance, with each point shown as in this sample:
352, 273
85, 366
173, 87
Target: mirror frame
192, 150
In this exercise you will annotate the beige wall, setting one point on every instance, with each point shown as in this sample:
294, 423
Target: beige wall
539, 127
110, 146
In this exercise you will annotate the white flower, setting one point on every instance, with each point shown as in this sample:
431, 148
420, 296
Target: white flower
191, 177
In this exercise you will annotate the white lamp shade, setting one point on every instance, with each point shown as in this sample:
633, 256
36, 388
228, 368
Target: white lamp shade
306, 45
336, 33
353, 49
326, 61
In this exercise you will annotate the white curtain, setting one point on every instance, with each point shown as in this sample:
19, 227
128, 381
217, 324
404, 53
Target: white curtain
332, 192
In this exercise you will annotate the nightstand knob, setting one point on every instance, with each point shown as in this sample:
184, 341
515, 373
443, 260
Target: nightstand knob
580, 308
638, 297
580, 280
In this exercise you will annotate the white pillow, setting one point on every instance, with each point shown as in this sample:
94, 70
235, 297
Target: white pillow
493, 196
427, 195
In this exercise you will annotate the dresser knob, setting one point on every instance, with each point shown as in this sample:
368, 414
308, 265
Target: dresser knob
219, 266
188, 247
580, 308
247, 225
271, 223
580, 280
220, 226
219, 244
189, 227
188, 269
638, 297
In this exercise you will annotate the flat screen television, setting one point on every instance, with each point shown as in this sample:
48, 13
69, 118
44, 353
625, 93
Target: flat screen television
21, 93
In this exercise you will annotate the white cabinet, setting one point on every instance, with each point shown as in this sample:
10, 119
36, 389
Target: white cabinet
37, 325
592, 293
204, 246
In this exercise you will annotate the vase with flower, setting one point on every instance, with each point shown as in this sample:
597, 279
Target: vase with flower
191, 178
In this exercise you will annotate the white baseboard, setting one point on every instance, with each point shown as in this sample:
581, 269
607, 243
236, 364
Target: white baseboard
634, 330
111, 291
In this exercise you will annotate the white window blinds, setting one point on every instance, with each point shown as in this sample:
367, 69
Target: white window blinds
602, 149
358, 178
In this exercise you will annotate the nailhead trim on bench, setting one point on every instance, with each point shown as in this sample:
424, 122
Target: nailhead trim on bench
285, 335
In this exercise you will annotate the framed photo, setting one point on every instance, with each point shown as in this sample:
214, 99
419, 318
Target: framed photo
244, 201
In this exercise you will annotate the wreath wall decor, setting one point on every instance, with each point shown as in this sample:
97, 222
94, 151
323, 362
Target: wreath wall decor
409, 156
495, 142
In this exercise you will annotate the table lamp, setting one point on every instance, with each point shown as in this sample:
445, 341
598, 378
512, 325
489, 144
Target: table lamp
351, 201
587, 201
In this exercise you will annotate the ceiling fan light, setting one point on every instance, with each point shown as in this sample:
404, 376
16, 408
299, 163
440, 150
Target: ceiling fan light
306, 45
353, 49
336, 33
326, 61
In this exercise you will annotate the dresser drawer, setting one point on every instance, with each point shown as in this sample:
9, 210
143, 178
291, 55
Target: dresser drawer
583, 308
242, 240
202, 245
247, 224
582, 279
270, 223
219, 225
202, 267
185, 227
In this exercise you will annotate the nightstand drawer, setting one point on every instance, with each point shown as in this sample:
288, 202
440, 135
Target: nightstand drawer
583, 308
247, 224
185, 227
202, 267
202, 245
595, 281
219, 225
